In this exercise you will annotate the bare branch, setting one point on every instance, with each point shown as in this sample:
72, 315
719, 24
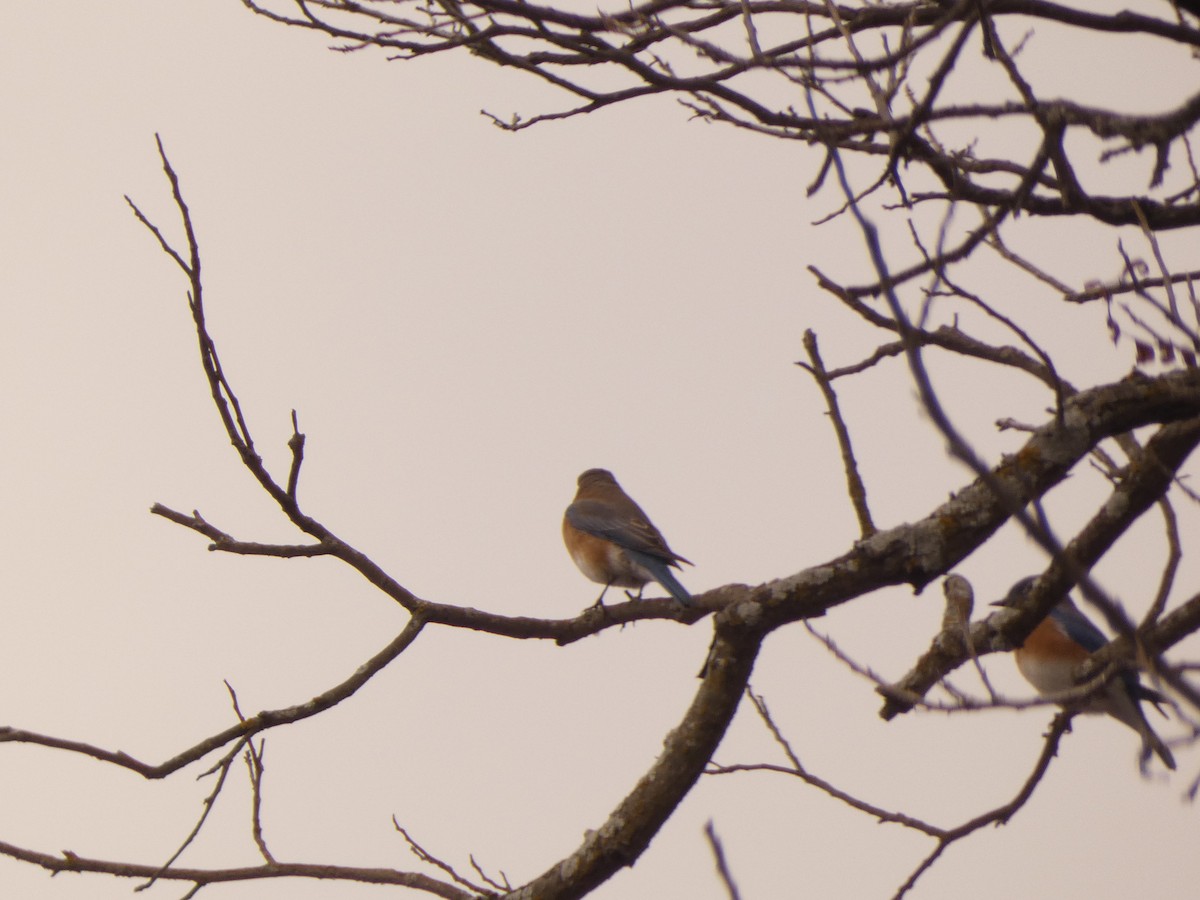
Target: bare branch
222, 770
69, 861
245, 728
425, 856
718, 852
854, 483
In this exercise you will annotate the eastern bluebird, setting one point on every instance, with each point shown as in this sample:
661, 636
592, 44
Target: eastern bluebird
1052, 653
614, 543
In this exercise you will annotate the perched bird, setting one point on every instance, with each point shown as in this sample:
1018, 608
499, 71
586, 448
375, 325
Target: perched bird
614, 543
1052, 653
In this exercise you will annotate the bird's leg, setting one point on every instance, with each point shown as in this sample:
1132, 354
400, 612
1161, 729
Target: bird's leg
629, 594
600, 600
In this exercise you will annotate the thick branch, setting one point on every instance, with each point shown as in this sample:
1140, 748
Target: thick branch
686, 751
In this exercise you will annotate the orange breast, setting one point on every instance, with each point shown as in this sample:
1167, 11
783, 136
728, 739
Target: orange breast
1048, 658
601, 561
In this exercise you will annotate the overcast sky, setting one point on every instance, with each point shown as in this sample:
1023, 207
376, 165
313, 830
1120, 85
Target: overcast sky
464, 320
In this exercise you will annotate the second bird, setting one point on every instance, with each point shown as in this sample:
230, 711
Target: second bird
1053, 652
614, 543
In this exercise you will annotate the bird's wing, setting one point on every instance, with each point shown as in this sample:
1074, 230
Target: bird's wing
599, 519
1078, 628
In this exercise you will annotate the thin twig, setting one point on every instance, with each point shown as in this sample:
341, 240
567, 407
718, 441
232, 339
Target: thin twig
718, 852
854, 483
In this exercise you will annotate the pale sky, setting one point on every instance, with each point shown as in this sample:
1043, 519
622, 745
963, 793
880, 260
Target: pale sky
464, 320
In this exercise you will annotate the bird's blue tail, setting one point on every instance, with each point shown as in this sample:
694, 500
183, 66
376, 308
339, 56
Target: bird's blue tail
663, 575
